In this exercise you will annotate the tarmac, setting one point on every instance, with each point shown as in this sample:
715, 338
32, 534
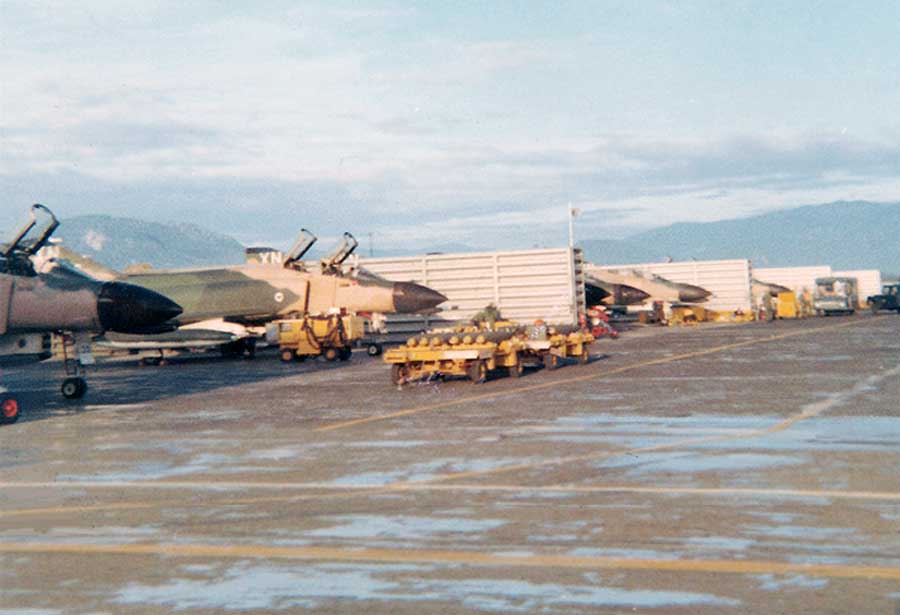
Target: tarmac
712, 469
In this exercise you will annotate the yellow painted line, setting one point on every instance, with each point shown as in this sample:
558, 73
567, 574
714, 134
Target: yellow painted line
220, 487
56, 510
584, 378
59, 510
469, 558
350, 491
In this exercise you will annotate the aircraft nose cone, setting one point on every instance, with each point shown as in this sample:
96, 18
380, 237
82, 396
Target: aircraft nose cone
633, 296
688, 293
126, 308
411, 298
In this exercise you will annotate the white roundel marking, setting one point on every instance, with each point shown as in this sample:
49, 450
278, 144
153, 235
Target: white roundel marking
279, 297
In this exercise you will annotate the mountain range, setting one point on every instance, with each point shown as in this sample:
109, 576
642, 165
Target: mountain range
845, 235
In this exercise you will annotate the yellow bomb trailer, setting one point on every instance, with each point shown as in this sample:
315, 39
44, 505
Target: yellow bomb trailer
548, 346
331, 336
471, 352
468, 354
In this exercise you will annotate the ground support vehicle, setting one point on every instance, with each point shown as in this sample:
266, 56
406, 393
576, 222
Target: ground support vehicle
467, 354
835, 295
331, 336
788, 306
473, 352
889, 299
555, 344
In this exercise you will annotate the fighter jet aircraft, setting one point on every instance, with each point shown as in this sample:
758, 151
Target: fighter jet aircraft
33, 305
222, 304
760, 289
599, 291
655, 287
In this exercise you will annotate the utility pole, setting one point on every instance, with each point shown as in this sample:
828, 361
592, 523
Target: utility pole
572, 213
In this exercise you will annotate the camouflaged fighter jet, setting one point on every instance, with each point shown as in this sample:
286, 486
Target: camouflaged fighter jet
223, 305
655, 287
33, 305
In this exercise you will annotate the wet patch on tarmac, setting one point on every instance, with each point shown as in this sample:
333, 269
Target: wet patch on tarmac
316, 586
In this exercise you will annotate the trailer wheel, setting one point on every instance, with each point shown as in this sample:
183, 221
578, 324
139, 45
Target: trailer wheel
73, 388
551, 361
518, 369
287, 355
9, 411
398, 373
478, 372
373, 350
345, 354
330, 353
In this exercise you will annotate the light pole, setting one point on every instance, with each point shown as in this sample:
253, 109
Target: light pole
573, 212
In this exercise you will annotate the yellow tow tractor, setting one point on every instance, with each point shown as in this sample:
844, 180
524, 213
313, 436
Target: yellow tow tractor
331, 336
472, 351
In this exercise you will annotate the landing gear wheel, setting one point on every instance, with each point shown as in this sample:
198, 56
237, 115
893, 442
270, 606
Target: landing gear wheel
9, 410
398, 374
478, 372
73, 388
330, 353
518, 369
287, 355
551, 361
584, 357
345, 354
373, 350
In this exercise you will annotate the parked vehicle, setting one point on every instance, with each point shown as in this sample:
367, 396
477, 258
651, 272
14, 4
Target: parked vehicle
889, 299
835, 295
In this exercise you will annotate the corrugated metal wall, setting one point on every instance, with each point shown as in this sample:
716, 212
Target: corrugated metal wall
524, 284
727, 280
795, 278
868, 280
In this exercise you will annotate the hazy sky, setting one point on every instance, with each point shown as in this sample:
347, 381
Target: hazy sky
446, 122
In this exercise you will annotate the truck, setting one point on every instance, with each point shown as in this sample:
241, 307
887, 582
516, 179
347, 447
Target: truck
835, 295
889, 299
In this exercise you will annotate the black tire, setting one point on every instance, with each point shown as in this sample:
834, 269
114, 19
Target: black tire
478, 372
330, 353
288, 355
373, 350
73, 388
551, 361
398, 373
9, 410
345, 354
875, 306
